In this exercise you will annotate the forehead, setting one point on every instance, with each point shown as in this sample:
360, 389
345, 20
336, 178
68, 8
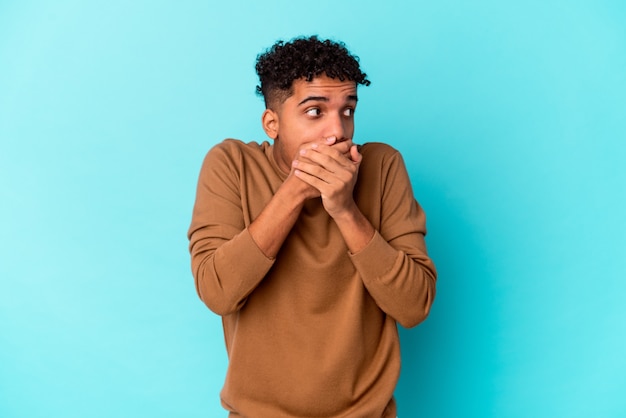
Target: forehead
323, 86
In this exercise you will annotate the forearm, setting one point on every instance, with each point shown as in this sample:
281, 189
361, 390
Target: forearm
402, 284
270, 229
228, 267
356, 230
226, 275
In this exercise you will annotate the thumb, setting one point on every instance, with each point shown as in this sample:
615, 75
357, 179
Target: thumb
355, 155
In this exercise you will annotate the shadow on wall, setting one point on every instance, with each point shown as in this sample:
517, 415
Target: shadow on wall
453, 354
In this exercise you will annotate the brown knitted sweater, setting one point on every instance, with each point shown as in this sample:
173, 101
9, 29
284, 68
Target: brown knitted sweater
311, 333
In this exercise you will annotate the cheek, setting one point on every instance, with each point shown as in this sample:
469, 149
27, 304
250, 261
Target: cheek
295, 135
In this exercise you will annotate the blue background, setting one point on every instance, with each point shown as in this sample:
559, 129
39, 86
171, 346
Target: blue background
511, 118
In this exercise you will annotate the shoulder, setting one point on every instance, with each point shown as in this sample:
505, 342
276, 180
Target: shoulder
378, 154
230, 146
234, 152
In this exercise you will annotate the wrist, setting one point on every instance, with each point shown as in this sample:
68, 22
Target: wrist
298, 189
349, 215
293, 192
355, 228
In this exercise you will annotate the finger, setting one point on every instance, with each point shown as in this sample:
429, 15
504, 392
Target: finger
314, 170
311, 160
339, 176
311, 180
342, 147
355, 155
326, 156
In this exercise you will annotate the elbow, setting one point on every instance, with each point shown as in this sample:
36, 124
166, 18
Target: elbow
222, 306
218, 298
414, 318
420, 312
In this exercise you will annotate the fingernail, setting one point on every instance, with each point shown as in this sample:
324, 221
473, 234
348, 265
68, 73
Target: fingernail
331, 139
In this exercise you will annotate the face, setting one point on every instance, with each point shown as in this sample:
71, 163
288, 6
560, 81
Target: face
318, 109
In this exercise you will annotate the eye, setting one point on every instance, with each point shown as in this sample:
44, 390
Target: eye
313, 111
348, 111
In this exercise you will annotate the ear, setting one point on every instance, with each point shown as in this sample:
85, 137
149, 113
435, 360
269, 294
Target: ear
269, 120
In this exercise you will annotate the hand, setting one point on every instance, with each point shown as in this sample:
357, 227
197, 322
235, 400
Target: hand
302, 189
332, 169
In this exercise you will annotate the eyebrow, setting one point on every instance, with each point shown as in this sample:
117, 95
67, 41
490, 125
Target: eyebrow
352, 97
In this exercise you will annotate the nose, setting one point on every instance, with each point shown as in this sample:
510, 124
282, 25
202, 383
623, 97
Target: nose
339, 127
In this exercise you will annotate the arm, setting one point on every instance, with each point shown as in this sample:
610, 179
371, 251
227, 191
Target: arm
399, 275
392, 262
229, 258
226, 262
395, 266
334, 171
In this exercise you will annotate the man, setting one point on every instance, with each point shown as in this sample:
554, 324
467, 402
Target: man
310, 248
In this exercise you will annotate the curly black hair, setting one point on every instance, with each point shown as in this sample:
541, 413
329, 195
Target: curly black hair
303, 57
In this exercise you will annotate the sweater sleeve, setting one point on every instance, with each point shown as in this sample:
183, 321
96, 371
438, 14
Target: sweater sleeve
394, 266
227, 264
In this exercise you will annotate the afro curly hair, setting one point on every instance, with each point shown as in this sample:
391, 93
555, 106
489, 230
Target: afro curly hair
303, 58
